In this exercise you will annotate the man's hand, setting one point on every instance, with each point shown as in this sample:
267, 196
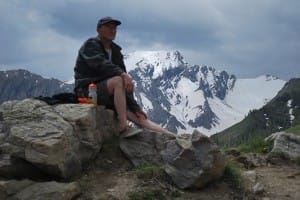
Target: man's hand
128, 82
141, 114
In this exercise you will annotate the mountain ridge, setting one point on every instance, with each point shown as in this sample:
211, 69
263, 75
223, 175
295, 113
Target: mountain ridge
175, 94
19, 84
280, 113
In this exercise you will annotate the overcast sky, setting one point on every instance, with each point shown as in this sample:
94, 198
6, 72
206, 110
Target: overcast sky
245, 38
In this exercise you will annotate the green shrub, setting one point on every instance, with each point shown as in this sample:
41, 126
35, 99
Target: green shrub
233, 177
257, 146
295, 130
149, 171
297, 161
156, 184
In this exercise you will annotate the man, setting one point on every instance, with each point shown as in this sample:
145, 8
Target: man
100, 61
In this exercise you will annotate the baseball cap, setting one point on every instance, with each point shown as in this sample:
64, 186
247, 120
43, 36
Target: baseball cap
105, 20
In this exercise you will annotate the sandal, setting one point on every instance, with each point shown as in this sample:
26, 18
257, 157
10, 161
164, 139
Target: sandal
129, 131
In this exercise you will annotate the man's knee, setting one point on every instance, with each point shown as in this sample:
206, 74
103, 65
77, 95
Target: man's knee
115, 82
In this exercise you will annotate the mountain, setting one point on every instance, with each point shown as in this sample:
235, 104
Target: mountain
175, 94
184, 97
281, 113
20, 84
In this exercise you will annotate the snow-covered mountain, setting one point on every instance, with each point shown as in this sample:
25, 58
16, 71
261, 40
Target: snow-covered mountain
175, 94
184, 97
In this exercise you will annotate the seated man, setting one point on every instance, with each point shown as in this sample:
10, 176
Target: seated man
100, 61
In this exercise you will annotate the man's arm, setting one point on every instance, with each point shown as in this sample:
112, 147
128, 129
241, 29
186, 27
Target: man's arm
128, 82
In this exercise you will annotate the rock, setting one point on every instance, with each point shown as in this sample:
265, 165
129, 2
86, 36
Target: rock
15, 168
251, 160
286, 145
191, 160
249, 179
59, 140
233, 151
29, 190
258, 188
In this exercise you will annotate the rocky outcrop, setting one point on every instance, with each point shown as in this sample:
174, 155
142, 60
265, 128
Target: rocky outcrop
191, 160
44, 149
57, 140
286, 145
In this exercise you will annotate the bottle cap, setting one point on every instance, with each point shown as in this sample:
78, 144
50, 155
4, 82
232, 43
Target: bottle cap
92, 85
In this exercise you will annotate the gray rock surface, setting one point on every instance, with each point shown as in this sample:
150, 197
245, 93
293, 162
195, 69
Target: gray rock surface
29, 190
59, 140
285, 144
191, 160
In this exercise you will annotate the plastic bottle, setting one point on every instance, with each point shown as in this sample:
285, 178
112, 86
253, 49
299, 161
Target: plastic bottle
93, 93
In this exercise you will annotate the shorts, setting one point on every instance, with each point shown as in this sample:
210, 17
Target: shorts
103, 96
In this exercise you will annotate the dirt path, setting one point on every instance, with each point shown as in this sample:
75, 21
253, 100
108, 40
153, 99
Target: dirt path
280, 182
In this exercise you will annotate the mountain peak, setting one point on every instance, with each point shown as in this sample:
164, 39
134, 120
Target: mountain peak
159, 61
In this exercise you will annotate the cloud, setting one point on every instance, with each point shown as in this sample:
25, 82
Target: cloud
247, 38
30, 43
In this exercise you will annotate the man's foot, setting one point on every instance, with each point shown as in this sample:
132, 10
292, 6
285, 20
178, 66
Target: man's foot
129, 132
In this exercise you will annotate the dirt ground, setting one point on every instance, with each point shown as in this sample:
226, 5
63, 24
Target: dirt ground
112, 177
281, 182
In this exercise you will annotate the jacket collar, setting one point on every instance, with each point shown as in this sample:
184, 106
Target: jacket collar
114, 46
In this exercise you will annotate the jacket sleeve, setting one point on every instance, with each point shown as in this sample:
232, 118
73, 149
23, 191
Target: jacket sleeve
92, 53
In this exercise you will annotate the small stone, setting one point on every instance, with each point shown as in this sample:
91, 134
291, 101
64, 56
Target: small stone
110, 190
258, 188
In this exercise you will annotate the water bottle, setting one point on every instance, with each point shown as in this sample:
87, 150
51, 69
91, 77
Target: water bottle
93, 93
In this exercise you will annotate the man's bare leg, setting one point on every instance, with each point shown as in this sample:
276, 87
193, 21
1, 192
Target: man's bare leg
146, 123
116, 87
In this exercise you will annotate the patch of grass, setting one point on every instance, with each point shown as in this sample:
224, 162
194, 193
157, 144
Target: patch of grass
295, 130
156, 184
149, 171
233, 177
257, 146
175, 193
146, 195
297, 161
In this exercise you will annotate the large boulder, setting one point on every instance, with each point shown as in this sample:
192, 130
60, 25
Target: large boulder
191, 160
58, 140
285, 145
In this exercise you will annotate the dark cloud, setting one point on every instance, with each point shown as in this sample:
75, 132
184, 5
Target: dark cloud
247, 38
171, 34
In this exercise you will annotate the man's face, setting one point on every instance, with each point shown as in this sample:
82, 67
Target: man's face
108, 31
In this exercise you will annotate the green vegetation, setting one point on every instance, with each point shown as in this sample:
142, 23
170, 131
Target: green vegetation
257, 146
273, 117
146, 195
297, 161
233, 177
156, 184
149, 171
295, 130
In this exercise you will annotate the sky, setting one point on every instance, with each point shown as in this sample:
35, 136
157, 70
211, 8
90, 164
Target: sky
244, 38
